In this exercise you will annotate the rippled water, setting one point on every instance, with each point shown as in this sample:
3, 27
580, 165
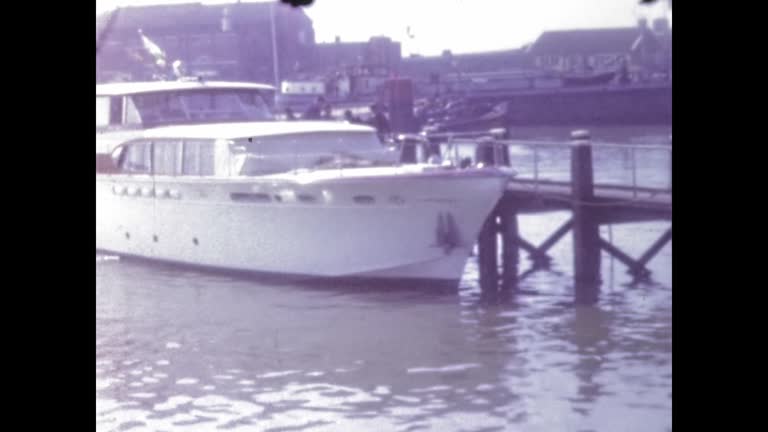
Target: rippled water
181, 350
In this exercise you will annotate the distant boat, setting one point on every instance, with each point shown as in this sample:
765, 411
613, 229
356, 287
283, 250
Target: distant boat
580, 80
496, 116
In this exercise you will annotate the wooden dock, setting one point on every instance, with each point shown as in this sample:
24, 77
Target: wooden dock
591, 204
611, 204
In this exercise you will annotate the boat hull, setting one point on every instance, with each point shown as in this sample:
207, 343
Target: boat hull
403, 227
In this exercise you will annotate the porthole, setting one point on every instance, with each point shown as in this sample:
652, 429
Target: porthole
364, 199
250, 197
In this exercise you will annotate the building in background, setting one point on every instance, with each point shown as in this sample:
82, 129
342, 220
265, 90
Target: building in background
225, 41
235, 42
641, 48
356, 69
450, 72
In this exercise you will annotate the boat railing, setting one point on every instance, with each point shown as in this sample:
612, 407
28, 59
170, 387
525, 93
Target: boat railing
402, 154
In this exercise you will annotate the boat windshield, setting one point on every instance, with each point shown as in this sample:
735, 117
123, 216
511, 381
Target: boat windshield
201, 106
313, 151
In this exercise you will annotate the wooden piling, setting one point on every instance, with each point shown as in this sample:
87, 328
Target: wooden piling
486, 255
586, 230
671, 165
510, 252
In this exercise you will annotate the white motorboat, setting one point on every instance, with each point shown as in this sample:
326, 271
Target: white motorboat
317, 199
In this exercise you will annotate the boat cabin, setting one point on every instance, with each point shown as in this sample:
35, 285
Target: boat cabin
124, 110
200, 151
162, 103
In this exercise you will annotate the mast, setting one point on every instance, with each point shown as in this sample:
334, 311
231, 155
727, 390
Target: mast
274, 45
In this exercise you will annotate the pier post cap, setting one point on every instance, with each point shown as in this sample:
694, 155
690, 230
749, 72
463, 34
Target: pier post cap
580, 134
498, 133
580, 137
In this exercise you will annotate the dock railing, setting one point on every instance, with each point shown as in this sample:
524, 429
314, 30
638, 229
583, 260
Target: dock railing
631, 168
638, 168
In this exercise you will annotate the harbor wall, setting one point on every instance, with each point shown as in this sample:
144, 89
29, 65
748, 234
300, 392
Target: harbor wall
598, 106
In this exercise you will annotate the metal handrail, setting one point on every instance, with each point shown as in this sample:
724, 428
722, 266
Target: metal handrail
614, 186
478, 137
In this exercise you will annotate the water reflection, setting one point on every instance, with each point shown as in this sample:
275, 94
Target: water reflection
180, 350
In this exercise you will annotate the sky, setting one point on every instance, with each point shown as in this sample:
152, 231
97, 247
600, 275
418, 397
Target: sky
428, 27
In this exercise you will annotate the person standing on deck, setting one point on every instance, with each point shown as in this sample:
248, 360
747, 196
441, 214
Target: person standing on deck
351, 118
380, 122
327, 111
314, 112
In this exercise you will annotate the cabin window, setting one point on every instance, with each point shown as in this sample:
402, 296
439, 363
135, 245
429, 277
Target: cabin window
170, 45
116, 111
270, 154
102, 111
132, 116
159, 108
198, 158
167, 158
250, 197
136, 158
211, 105
306, 198
225, 46
364, 199
202, 45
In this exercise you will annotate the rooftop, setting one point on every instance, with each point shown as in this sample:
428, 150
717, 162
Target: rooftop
563, 42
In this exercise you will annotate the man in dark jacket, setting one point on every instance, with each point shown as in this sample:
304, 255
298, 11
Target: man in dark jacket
380, 122
351, 118
314, 112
